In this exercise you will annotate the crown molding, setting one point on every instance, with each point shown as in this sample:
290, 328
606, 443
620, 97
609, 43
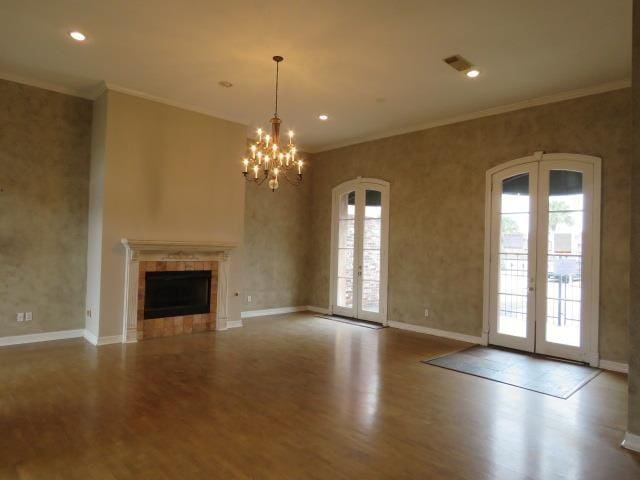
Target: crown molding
165, 101
92, 93
557, 97
54, 87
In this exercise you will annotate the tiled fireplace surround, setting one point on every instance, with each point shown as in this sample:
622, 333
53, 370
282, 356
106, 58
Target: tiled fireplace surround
148, 256
165, 327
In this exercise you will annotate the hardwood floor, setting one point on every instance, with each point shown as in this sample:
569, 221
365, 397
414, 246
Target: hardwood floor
295, 397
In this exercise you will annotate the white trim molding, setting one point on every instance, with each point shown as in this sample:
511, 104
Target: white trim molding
435, 332
614, 366
162, 100
94, 91
234, 324
631, 442
87, 93
40, 337
171, 251
272, 311
321, 310
98, 341
511, 107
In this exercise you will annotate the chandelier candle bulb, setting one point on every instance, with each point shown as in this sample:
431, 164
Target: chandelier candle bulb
279, 155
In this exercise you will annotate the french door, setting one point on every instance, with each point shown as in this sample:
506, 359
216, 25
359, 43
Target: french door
544, 255
359, 249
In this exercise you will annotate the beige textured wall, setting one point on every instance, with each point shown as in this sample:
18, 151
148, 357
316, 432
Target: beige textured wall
169, 174
437, 207
276, 241
44, 172
634, 319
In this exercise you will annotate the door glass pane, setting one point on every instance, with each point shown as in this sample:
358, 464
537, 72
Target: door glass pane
564, 271
371, 256
346, 252
513, 256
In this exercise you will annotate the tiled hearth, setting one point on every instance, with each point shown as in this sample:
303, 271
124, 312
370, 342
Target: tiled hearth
166, 327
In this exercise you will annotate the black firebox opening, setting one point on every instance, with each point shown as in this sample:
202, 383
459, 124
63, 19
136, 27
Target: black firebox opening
171, 294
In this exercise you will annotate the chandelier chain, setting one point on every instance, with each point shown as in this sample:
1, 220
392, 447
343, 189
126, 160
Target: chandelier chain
277, 75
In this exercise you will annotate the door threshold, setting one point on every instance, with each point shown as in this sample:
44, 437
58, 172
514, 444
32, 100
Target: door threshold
352, 321
539, 355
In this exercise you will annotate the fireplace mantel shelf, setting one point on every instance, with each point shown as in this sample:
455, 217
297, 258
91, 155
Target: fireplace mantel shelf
171, 246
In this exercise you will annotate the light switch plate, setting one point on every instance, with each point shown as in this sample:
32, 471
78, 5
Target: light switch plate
28, 316
20, 317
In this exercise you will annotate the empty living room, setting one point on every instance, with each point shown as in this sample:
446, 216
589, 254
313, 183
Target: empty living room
355, 239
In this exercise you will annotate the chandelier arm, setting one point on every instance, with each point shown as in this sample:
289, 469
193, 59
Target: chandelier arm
296, 182
257, 181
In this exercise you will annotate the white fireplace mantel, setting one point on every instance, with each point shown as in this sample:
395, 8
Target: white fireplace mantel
172, 251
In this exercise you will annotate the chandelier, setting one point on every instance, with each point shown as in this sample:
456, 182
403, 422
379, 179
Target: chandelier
268, 159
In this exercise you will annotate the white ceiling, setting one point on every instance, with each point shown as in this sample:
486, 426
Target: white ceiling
373, 66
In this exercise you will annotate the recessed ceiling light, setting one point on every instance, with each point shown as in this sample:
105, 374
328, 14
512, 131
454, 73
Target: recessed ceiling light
473, 73
225, 84
78, 36
323, 117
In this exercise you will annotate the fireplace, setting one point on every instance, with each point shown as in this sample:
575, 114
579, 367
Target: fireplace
176, 293
173, 270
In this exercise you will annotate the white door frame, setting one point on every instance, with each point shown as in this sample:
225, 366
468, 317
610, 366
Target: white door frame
591, 330
528, 342
354, 185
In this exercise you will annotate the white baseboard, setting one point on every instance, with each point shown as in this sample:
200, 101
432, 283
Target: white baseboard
91, 338
631, 442
234, 323
614, 366
434, 331
40, 337
323, 311
271, 311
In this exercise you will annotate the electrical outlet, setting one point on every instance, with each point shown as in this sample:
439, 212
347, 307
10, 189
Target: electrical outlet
249, 298
426, 312
88, 313
28, 316
20, 317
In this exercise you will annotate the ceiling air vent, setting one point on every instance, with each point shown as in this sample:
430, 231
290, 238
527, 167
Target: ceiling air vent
459, 63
